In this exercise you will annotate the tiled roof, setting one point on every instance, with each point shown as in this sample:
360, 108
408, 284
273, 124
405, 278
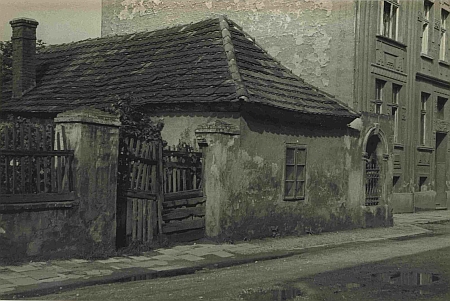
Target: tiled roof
212, 61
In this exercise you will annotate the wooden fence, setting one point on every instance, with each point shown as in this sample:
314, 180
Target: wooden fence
34, 165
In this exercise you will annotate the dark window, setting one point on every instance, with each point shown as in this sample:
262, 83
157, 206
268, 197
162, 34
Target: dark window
422, 183
395, 110
423, 118
379, 95
295, 177
441, 101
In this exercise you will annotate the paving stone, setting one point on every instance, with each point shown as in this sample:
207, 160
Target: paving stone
73, 276
139, 258
58, 269
22, 268
109, 260
184, 248
12, 275
190, 257
164, 257
202, 251
222, 254
6, 288
79, 260
55, 279
93, 273
150, 263
23, 281
119, 266
41, 274
123, 259
4, 282
169, 251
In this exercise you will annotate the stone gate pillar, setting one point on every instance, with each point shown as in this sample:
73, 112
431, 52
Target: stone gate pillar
219, 142
93, 135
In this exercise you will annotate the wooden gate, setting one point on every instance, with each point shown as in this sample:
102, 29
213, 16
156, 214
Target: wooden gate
184, 203
159, 192
139, 194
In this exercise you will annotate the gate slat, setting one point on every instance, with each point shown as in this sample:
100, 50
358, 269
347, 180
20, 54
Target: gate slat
134, 226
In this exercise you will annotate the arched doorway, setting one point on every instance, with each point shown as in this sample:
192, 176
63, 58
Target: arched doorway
373, 171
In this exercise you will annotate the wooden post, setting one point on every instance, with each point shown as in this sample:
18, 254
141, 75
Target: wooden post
160, 184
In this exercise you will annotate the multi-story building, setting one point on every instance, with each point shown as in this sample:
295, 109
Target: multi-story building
389, 60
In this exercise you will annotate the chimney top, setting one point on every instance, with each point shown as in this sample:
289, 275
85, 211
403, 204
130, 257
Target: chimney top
24, 55
23, 21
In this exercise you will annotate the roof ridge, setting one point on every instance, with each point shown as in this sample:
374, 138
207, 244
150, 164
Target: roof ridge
228, 46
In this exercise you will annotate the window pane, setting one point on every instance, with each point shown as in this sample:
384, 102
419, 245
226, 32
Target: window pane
394, 23
300, 191
290, 156
300, 172
289, 189
290, 172
386, 18
300, 156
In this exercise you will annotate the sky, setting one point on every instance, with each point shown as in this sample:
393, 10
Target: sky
60, 21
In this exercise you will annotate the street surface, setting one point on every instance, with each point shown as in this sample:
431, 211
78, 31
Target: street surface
414, 269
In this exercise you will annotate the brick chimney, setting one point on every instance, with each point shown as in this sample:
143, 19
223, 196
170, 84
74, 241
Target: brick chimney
24, 55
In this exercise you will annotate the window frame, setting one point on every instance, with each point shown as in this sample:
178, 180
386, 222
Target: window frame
441, 103
395, 106
389, 25
443, 36
426, 23
295, 147
424, 100
379, 95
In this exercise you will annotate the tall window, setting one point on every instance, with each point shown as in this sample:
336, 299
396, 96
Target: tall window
443, 46
379, 91
426, 25
395, 109
423, 118
294, 186
440, 107
389, 19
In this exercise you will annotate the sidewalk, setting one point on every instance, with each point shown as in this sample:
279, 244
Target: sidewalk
39, 278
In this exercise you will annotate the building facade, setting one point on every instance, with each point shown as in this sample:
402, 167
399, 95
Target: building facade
388, 60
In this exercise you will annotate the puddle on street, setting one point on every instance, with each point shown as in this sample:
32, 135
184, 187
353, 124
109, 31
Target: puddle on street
277, 294
379, 285
407, 278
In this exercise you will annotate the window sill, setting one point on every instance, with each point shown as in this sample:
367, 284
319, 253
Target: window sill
38, 206
398, 146
425, 148
391, 41
426, 56
444, 63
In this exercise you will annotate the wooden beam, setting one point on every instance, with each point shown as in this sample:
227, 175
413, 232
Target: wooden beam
36, 198
182, 213
184, 202
183, 225
183, 194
